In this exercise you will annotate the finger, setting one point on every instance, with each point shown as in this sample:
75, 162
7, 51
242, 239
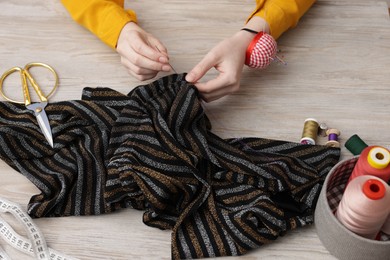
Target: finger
143, 77
160, 47
135, 68
201, 68
218, 87
138, 72
143, 62
142, 55
210, 95
221, 82
146, 49
151, 61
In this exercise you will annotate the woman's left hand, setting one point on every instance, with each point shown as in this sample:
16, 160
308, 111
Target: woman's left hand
228, 58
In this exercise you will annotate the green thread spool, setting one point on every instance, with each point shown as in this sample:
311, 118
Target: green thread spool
310, 131
355, 144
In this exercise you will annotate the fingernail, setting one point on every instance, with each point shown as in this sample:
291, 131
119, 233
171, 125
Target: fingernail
166, 68
189, 77
163, 59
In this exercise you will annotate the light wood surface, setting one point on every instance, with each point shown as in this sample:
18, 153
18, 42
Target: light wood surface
338, 72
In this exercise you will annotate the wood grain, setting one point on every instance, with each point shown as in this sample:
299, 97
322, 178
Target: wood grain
338, 72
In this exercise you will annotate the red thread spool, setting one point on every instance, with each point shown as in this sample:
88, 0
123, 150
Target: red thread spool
374, 160
260, 51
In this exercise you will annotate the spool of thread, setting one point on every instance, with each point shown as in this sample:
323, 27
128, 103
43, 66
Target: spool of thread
375, 161
355, 144
386, 227
261, 51
310, 131
333, 137
364, 207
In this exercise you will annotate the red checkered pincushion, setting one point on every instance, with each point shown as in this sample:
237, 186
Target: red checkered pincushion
261, 51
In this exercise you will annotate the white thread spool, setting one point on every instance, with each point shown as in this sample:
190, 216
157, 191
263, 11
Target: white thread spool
364, 206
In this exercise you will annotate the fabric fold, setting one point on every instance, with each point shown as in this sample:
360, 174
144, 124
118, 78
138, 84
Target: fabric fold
153, 150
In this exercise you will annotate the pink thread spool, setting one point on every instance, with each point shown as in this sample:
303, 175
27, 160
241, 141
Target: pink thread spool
386, 227
333, 137
374, 160
261, 51
365, 206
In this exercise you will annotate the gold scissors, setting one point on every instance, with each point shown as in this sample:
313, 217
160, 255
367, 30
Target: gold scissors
39, 107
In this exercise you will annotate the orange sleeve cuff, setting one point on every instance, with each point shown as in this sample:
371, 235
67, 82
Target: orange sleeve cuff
113, 25
281, 15
104, 18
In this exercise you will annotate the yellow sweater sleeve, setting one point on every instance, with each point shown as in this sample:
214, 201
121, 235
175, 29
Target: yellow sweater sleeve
281, 15
104, 18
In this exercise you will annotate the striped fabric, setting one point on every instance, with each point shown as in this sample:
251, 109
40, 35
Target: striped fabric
153, 150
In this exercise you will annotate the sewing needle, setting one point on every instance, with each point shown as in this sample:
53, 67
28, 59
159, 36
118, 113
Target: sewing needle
168, 62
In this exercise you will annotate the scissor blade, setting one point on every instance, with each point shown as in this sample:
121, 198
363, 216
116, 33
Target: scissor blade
43, 121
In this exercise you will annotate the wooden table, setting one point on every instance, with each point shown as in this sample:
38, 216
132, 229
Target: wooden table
338, 72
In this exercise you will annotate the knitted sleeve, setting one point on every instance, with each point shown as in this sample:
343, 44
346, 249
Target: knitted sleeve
281, 15
104, 18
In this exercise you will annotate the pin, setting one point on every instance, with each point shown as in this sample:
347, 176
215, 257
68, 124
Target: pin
279, 59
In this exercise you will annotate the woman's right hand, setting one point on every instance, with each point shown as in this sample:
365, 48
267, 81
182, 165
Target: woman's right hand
141, 53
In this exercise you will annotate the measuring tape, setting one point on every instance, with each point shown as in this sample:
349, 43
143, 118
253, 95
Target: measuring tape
34, 245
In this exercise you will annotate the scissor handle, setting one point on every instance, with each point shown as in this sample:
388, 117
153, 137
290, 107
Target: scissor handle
34, 83
26, 75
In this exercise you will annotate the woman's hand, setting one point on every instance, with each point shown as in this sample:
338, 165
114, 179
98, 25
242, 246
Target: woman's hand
141, 53
227, 57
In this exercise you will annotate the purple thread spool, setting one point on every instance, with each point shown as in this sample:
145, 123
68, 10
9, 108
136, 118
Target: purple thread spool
333, 137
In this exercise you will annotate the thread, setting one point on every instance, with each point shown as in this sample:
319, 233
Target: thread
355, 144
333, 137
261, 51
310, 131
375, 161
364, 207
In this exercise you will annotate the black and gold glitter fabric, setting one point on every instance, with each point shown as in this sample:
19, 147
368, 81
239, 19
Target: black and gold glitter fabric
153, 150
